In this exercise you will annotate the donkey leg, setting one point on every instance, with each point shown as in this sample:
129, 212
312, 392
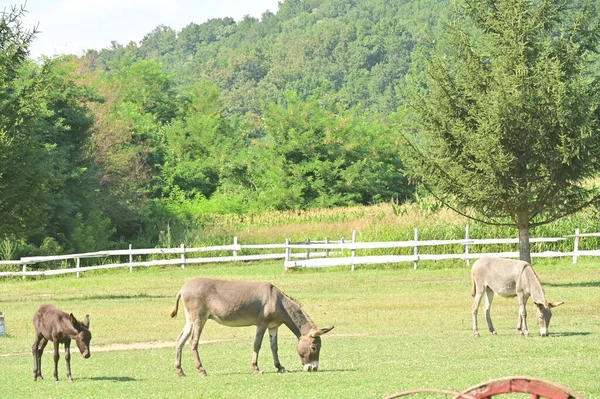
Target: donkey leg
183, 337
260, 333
56, 358
522, 326
40, 342
475, 309
41, 348
520, 321
489, 296
198, 325
68, 359
274, 349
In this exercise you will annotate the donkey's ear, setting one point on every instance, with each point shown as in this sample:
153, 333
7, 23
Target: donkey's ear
539, 305
554, 304
86, 321
321, 331
73, 320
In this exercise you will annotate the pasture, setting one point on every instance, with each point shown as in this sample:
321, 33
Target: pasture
395, 329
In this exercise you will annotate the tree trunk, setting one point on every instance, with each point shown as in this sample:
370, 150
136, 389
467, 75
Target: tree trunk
524, 246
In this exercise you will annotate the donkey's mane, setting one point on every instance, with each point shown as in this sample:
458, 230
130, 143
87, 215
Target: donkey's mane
300, 309
539, 285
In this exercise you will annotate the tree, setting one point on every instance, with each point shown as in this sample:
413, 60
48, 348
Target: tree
508, 121
330, 157
127, 143
24, 180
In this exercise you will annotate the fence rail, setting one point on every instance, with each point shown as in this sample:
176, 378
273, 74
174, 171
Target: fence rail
416, 256
312, 254
182, 260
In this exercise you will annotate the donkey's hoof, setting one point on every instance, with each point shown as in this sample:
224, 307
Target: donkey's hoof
282, 370
180, 373
494, 333
257, 372
476, 334
202, 372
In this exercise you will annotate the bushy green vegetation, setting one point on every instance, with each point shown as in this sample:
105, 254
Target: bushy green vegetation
225, 119
395, 329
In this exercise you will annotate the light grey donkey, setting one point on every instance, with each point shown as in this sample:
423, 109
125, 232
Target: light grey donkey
509, 278
240, 304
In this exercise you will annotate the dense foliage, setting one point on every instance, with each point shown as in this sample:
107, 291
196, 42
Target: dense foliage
291, 111
511, 113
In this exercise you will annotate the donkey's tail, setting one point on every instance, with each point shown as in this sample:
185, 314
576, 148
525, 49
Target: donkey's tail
176, 308
473, 288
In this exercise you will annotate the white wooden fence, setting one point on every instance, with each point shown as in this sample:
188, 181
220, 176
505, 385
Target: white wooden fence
183, 259
312, 254
417, 256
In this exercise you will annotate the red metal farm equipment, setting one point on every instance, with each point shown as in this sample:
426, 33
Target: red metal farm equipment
536, 387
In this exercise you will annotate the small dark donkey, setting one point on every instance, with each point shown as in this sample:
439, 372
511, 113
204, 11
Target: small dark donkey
52, 324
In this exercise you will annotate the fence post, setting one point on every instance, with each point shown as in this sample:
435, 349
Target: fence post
308, 249
130, 259
77, 265
288, 253
234, 245
353, 249
327, 249
24, 270
416, 250
183, 256
467, 246
576, 245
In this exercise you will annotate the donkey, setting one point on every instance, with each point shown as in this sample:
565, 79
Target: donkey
53, 324
509, 278
241, 304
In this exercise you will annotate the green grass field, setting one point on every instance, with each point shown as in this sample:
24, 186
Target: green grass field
395, 329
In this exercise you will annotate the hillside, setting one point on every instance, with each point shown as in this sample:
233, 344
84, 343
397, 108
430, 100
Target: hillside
355, 53
298, 110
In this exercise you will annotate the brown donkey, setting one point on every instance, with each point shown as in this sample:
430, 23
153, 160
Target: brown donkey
59, 327
241, 304
509, 278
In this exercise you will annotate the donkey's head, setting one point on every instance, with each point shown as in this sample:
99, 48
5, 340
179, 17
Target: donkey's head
309, 347
84, 336
544, 314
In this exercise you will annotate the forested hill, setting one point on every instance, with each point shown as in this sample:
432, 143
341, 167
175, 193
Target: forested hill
291, 111
355, 51
295, 110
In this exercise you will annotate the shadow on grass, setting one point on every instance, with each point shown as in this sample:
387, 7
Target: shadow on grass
112, 297
569, 334
114, 379
293, 372
582, 284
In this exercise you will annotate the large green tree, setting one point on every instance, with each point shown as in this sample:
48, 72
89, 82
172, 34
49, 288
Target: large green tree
509, 116
23, 183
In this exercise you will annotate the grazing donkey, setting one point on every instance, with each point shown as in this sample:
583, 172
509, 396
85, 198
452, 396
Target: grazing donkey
59, 327
241, 304
509, 278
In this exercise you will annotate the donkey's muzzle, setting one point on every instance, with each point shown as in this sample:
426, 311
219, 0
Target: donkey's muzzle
314, 366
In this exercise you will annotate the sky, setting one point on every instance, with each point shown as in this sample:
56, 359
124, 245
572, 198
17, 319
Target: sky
73, 26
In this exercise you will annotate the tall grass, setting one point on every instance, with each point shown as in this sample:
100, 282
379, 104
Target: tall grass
381, 222
386, 222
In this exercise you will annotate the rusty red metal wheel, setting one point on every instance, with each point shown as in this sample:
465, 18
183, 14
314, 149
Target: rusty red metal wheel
435, 391
536, 387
